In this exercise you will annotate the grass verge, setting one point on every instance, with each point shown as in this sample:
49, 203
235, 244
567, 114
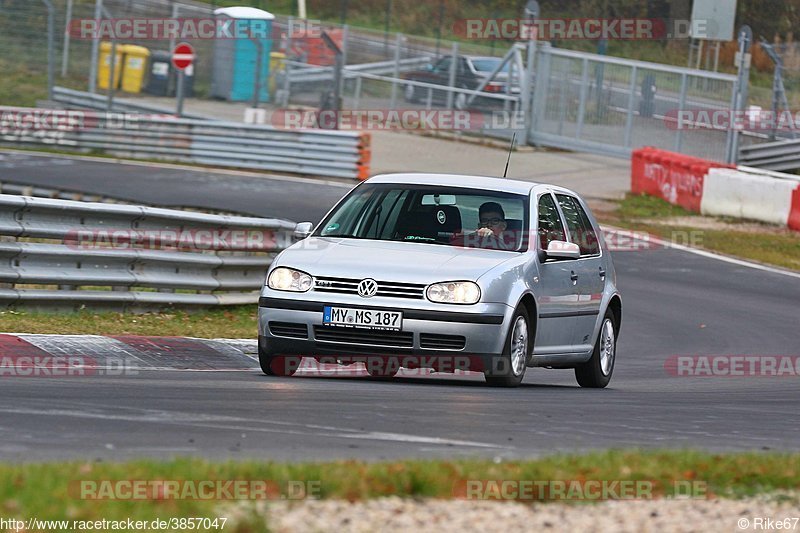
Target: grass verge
233, 322
754, 241
53, 490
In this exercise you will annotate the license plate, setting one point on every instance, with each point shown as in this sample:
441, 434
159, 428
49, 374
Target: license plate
362, 318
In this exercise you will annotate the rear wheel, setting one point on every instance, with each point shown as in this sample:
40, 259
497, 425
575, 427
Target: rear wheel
460, 100
276, 365
509, 369
410, 93
596, 372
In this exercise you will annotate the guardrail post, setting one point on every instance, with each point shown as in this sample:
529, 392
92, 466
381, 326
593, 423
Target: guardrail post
357, 93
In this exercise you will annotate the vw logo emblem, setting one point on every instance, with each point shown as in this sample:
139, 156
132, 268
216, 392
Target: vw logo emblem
367, 288
441, 217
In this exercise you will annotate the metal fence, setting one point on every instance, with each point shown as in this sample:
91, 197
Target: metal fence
61, 253
611, 105
308, 152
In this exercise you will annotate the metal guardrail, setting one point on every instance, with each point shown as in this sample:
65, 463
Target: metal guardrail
302, 73
779, 155
343, 154
72, 99
80, 248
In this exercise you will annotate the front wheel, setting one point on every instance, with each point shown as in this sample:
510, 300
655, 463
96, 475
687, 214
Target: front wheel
378, 367
509, 369
276, 365
596, 372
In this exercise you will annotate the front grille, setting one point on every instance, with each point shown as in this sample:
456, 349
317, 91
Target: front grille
435, 341
391, 289
288, 329
364, 337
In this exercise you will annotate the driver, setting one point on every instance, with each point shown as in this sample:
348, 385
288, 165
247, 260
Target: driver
491, 225
492, 220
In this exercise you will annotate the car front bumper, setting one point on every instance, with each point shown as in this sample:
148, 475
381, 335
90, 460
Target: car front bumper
426, 330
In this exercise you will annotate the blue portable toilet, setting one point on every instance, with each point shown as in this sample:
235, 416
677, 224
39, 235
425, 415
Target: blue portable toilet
236, 52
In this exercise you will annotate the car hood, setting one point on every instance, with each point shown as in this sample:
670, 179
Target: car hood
390, 261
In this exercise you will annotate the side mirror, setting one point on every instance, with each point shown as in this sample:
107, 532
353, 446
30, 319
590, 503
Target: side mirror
303, 230
563, 250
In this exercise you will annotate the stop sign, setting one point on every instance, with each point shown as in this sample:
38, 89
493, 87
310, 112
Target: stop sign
182, 56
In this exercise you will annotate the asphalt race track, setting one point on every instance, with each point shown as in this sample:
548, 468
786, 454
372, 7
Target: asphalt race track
244, 192
219, 405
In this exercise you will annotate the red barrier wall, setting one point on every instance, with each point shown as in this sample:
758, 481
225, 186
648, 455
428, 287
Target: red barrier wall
676, 178
794, 214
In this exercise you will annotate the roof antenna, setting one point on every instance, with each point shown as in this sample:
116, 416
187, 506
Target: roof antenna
510, 149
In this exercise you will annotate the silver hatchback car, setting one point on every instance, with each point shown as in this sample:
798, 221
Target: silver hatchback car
446, 272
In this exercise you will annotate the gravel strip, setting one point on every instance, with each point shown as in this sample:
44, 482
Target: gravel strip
399, 514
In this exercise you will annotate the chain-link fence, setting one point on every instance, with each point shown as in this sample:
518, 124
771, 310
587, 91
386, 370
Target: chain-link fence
579, 100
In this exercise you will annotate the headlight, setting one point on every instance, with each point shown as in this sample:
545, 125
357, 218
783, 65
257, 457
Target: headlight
454, 292
289, 279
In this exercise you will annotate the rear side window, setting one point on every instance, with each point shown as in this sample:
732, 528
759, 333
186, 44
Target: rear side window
550, 226
580, 228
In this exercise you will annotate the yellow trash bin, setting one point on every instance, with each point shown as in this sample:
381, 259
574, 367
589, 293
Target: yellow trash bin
135, 70
277, 62
104, 68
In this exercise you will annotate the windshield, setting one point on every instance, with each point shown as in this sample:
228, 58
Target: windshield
446, 216
489, 64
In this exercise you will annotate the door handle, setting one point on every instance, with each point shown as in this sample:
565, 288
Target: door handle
602, 273
574, 277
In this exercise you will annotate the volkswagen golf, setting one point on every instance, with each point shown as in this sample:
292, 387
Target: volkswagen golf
446, 272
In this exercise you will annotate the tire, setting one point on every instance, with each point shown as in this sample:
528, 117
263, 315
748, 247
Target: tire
460, 101
276, 365
382, 368
596, 372
409, 93
509, 370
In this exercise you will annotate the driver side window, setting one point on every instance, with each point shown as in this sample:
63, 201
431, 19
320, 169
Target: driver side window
550, 226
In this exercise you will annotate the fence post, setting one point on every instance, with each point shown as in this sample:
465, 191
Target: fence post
681, 105
172, 43
631, 100
396, 71
51, 28
452, 80
582, 100
540, 89
526, 77
98, 13
65, 51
